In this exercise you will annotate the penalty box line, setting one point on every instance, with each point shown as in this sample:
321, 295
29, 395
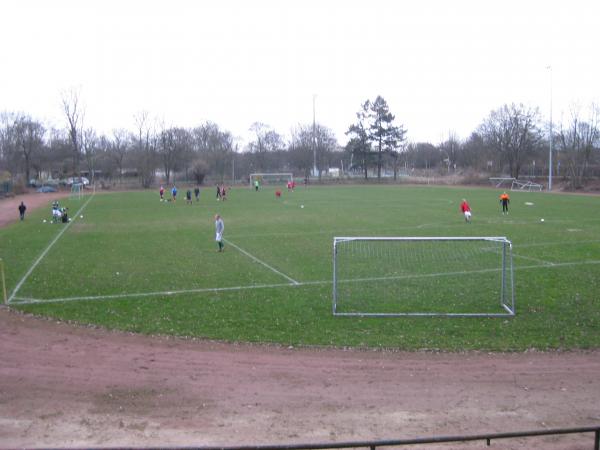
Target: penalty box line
45, 252
254, 258
529, 258
29, 301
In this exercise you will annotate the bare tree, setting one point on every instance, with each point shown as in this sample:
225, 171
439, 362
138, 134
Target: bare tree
578, 141
118, 149
215, 148
6, 131
450, 150
267, 141
29, 136
301, 149
476, 154
89, 144
199, 171
74, 114
145, 149
512, 131
174, 143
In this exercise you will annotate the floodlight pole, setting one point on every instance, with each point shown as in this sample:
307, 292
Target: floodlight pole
550, 153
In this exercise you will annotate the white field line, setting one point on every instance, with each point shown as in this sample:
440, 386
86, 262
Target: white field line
559, 243
254, 258
28, 301
37, 261
529, 258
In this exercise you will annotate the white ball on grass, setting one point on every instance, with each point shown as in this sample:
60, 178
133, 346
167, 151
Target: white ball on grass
541, 220
81, 217
301, 206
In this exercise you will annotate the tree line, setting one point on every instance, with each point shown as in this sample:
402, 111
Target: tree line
512, 141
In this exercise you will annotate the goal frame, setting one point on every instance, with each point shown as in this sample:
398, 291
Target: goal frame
529, 186
289, 175
506, 266
76, 191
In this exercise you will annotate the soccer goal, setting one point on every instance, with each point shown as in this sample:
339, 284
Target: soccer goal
525, 186
271, 178
423, 276
76, 191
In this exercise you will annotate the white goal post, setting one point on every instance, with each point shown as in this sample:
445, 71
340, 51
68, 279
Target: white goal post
423, 276
76, 191
271, 178
525, 186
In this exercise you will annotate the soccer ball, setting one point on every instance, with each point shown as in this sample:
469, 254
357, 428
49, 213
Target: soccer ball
44, 220
301, 206
541, 220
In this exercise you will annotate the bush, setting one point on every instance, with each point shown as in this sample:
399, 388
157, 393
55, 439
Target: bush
199, 171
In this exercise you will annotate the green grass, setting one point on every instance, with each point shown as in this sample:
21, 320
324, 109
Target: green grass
129, 243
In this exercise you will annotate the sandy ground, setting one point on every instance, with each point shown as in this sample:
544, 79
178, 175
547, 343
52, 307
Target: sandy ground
67, 385
9, 211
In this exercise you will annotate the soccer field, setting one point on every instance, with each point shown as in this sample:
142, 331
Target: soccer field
134, 263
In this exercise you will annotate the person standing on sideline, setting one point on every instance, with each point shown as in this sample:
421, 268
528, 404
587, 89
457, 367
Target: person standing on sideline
218, 192
219, 228
188, 196
22, 209
174, 193
466, 210
504, 201
162, 193
197, 193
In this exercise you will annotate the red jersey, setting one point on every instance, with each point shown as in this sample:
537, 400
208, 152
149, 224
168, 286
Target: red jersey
464, 207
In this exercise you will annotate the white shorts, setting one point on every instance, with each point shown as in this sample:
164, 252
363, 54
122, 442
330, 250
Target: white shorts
219, 237
467, 214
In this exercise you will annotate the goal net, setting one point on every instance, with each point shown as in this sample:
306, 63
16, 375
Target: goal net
277, 179
76, 191
525, 186
423, 276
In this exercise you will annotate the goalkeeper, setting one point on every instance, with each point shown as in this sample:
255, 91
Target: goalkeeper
219, 228
504, 201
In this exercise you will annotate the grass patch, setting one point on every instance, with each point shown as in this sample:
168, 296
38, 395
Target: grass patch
156, 268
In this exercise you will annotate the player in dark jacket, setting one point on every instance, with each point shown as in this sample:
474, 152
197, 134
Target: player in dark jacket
22, 209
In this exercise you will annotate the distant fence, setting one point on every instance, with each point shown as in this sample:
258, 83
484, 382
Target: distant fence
372, 445
6, 188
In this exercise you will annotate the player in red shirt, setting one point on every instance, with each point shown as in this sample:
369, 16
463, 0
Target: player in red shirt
466, 210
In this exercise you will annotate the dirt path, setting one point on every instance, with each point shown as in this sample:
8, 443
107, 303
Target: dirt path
33, 200
65, 385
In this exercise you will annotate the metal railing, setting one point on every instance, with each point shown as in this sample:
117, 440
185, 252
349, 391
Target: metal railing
372, 445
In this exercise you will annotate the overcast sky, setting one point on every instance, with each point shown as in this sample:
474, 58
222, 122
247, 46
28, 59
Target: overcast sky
442, 66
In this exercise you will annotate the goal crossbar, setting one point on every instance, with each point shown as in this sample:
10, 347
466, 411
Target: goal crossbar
265, 176
395, 276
